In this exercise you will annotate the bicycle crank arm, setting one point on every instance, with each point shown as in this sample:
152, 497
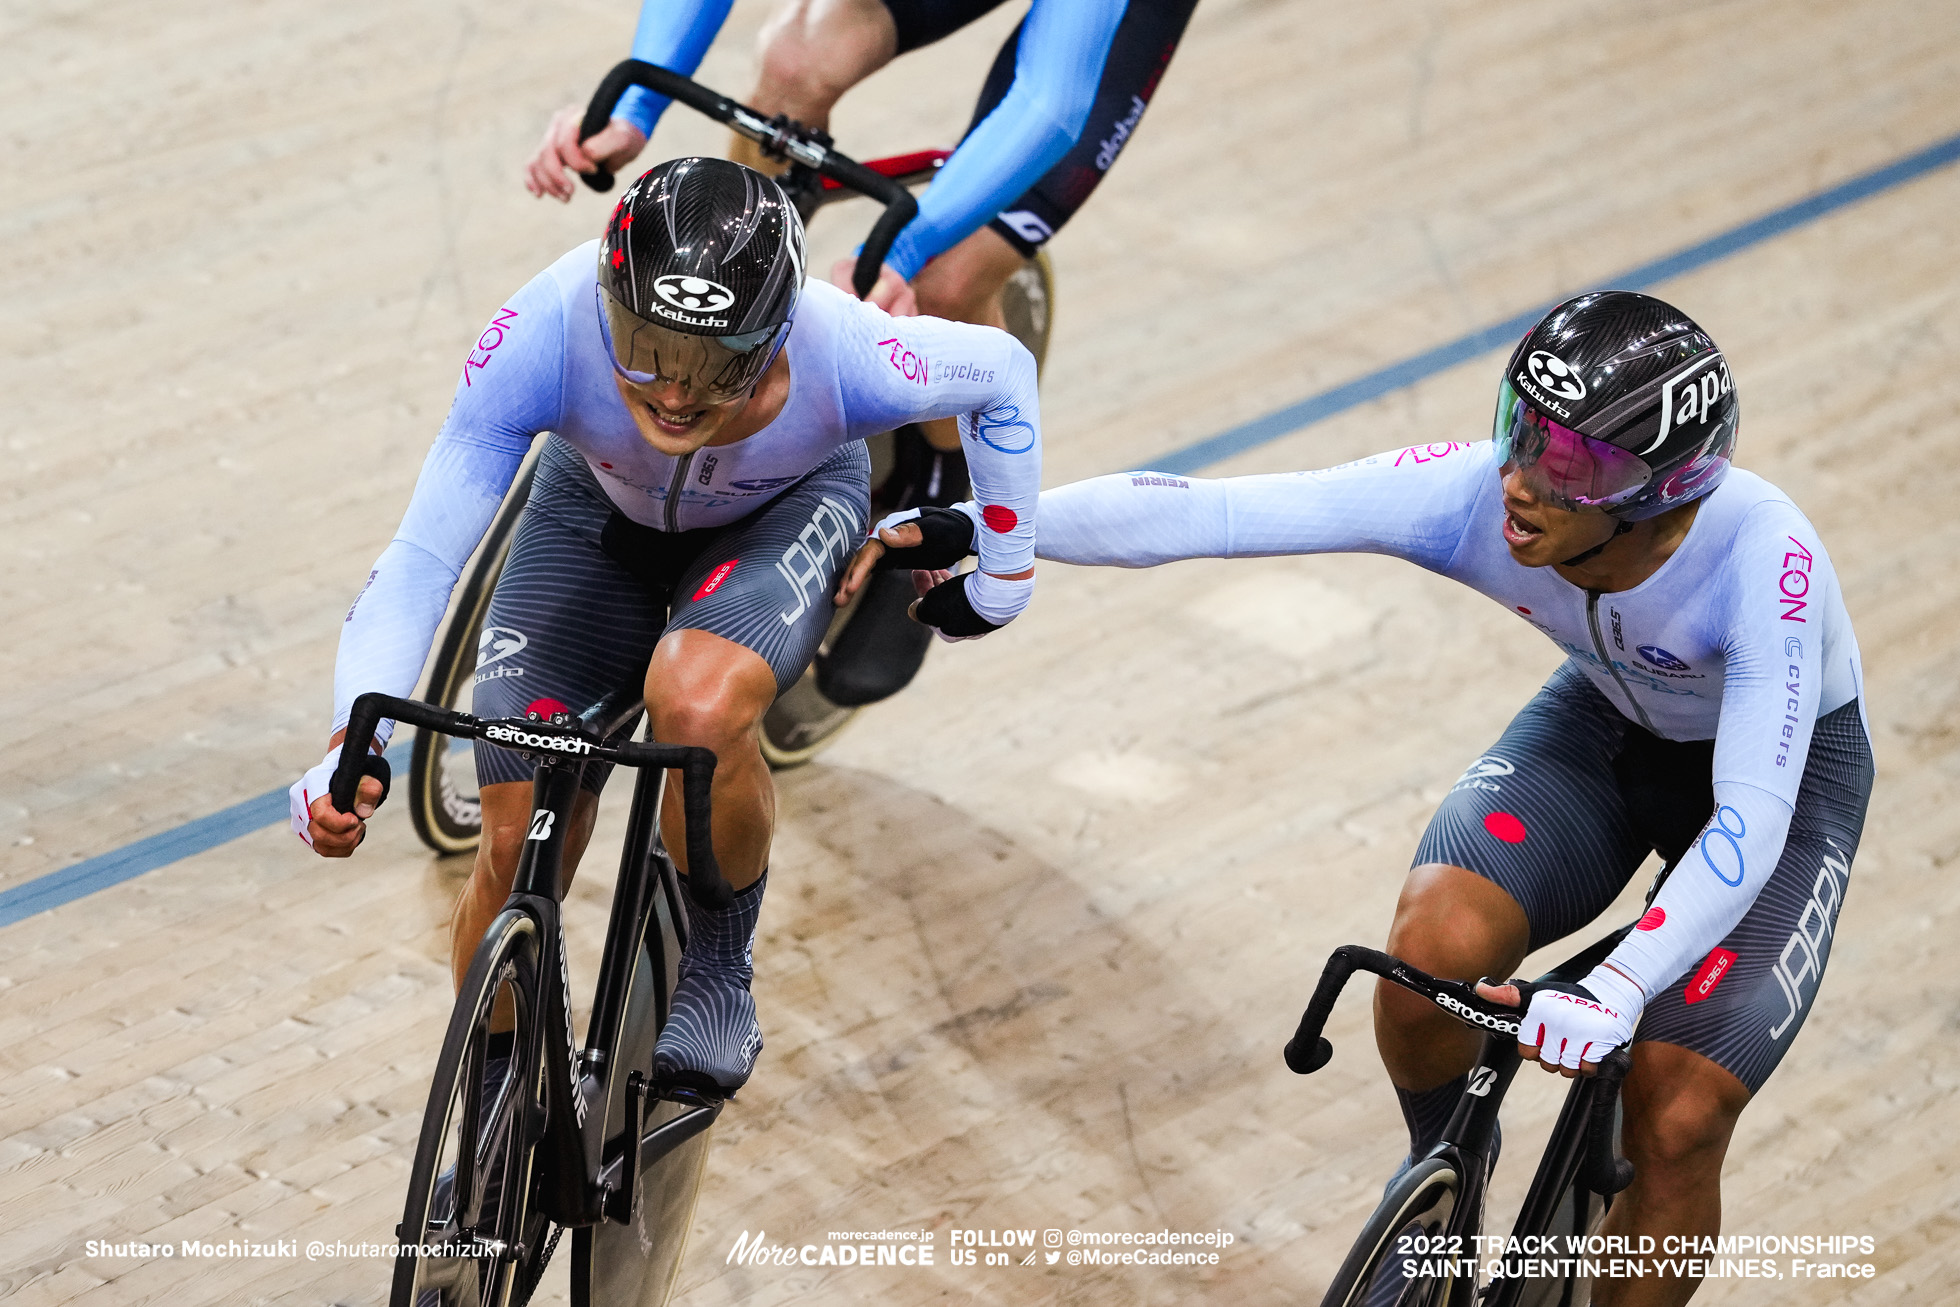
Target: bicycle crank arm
669, 1135
617, 1187
619, 1193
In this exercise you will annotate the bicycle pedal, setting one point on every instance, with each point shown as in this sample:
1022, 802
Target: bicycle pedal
691, 1089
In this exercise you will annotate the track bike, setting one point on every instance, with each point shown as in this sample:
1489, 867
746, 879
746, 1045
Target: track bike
1419, 1248
527, 1133
805, 718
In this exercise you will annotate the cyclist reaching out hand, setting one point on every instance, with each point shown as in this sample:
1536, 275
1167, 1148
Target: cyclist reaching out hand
705, 481
1064, 96
1709, 709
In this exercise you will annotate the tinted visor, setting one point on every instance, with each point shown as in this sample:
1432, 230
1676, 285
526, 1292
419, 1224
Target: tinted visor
1576, 470
712, 369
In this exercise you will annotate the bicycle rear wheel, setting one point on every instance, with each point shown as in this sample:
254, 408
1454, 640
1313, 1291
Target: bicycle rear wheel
1028, 304
1378, 1272
1579, 1213
636, 1265
442, 798
469, 1238
804, 721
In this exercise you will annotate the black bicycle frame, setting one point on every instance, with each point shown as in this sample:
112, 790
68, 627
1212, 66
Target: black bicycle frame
583, 1176
1583, 1148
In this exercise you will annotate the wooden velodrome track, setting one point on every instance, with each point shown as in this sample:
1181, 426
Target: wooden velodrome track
1039, 927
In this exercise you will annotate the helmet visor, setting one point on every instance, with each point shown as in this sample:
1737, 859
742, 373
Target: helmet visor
712, 369
1576, 470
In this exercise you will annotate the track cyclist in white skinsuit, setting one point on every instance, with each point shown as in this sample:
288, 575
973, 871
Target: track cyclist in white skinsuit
704, 482
1709, 709
1065, 96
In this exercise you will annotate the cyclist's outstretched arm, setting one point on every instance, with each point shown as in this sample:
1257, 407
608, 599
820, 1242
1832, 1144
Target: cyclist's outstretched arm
1414, 503
508, 391
1063, 46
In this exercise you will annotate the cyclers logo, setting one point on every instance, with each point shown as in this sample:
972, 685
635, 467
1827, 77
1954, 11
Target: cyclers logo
517, 739
1484, 1019
694, 294
1554, 374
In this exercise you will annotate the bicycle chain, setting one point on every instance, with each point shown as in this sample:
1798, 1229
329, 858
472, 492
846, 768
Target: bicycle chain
525, 1291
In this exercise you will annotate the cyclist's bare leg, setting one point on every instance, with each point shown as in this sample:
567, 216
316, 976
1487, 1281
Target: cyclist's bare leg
506, 821
703, 690
710, 692
1451, 923
1680, 1109
811, 52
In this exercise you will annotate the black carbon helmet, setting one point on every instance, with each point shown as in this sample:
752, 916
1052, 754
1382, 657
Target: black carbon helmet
699, 275
1623, 400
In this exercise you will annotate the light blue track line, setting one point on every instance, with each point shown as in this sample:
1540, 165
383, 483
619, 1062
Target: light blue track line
1351, 394
132, 860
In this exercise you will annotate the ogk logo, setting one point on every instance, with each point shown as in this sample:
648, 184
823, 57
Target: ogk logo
695, 294
1479, 774
1554, 374
498, 643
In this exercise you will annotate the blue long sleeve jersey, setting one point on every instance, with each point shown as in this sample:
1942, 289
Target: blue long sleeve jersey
1063, 47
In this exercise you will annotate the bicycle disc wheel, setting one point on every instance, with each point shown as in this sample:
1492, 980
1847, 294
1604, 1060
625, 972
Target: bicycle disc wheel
1378, 1273
1580, 1212
636, 1265
442, 799
1028, 304
469, 1239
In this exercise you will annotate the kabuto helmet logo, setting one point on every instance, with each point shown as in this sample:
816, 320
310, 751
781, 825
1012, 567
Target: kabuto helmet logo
1552, 373
694, 294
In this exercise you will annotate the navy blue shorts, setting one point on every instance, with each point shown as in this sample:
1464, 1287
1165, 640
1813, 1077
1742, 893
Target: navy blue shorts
587, 592
1146, 38
1565, 807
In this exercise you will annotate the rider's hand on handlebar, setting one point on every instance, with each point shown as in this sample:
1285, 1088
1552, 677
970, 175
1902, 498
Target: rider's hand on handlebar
892, 293
331, 832
1570, 1028
615, 146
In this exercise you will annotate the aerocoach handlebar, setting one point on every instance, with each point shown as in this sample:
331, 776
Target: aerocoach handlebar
1601, 1168
705, 884
779, 137
1307, 1051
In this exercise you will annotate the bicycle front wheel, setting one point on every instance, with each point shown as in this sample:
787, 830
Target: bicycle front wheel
1393, 1263
442, 797
468, 1238
636, 1265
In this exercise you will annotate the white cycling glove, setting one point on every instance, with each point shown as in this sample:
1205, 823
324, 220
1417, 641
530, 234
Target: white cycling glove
308, 788
1568, 1029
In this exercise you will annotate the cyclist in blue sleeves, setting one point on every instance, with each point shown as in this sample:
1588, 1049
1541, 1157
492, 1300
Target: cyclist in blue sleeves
1064, 96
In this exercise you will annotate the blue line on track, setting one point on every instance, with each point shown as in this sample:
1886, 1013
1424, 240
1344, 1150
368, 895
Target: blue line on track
1361, 390
132, 860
